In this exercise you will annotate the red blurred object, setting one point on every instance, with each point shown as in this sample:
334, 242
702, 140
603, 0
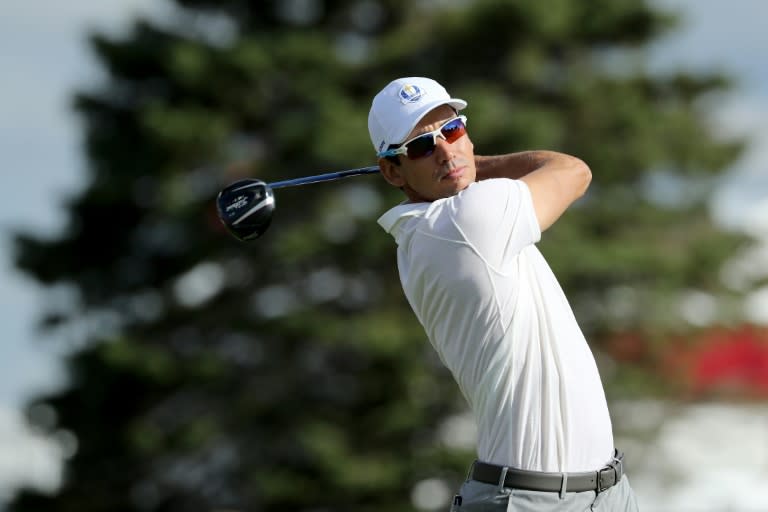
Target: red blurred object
722, 362
628, 347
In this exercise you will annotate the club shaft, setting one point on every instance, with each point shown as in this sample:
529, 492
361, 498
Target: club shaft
324, 177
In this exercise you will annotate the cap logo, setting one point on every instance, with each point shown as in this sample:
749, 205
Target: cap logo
410, 93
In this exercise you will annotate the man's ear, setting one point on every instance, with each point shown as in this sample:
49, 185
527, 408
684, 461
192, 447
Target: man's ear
391, 172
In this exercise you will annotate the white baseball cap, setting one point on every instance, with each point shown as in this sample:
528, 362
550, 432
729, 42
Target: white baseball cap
399, 107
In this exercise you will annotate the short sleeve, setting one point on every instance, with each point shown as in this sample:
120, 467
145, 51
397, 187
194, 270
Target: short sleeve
497, 218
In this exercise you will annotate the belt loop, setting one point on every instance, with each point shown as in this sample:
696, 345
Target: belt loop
471, 471
564, 486
618, 460
503, 478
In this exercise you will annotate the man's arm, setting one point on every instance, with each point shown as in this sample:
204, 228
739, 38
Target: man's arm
555, 180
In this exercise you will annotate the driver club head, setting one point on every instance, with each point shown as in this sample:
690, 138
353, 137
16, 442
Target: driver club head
245, 207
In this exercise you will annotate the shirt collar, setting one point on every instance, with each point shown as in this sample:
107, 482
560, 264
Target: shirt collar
392, 216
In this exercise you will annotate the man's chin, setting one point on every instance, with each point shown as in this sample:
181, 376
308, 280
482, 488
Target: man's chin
457, 187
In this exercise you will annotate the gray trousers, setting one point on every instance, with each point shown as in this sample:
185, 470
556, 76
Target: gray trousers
481, 497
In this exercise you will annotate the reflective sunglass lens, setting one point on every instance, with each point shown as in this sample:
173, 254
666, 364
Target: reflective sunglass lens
424, 145
453, 130
421, 147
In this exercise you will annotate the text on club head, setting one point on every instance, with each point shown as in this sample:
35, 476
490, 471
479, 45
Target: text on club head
238, 203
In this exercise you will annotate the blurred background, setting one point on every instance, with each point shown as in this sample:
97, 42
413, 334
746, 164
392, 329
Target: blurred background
151, 363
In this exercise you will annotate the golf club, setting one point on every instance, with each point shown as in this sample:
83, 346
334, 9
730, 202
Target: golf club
245, 207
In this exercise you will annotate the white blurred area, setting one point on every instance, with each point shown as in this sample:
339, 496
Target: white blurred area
27, 458
709, 457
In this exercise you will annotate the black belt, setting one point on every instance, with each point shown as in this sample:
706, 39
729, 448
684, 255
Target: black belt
598, 481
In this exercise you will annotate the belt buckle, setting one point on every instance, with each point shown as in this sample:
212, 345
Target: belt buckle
600, 487
612, 466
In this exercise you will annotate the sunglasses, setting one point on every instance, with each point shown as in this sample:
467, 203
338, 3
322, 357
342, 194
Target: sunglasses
424, 144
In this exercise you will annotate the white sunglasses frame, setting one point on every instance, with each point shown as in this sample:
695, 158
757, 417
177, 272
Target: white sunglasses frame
402, 149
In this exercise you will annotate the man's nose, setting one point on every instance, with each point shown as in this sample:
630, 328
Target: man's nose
443, 150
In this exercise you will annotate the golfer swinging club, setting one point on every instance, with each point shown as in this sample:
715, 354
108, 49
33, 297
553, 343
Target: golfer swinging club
492, 307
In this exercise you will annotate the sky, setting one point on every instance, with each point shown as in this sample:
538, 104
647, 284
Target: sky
44, 58
730, 36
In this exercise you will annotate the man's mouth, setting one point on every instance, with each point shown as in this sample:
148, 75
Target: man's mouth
453, 174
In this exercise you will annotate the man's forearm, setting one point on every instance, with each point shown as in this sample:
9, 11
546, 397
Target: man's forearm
555, 180
514, 165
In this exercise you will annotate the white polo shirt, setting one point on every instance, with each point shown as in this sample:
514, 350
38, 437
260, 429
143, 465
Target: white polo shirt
495, 313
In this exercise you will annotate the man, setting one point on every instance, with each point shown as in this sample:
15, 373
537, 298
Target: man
491, 306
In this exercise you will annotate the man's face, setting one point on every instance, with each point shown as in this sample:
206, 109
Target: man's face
449, 169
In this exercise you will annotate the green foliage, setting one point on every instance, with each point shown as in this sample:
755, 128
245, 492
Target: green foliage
289, 373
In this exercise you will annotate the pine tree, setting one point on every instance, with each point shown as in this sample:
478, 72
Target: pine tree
289, 373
